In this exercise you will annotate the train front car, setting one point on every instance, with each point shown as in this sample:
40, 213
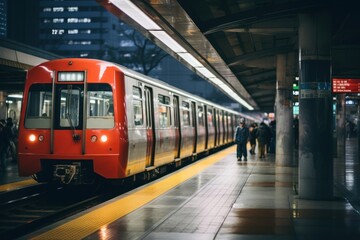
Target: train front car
73, 124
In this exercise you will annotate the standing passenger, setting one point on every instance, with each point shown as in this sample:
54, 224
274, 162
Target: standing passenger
3, 146
241, 139
262, 136
252, 138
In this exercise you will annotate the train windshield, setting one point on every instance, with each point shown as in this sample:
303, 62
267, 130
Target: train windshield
69, 106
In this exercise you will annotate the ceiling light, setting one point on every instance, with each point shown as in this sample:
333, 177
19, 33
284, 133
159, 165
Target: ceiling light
216, 81
205, 72
15, 96
136, 14
168, 41
190, 59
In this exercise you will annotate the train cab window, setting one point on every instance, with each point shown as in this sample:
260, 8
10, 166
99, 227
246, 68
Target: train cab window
39, 105
138, 107
164, 111
201, 120
69, 107
185, 114
100, 107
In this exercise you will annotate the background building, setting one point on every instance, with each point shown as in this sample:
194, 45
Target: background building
85, 29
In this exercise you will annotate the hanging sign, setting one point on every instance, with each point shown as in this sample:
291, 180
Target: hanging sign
346, 85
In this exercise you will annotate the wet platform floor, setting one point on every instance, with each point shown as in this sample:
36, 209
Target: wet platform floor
225, 200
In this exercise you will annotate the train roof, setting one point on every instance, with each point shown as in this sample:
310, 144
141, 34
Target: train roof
153, 81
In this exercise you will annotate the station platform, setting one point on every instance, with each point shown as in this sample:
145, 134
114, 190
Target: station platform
220, 198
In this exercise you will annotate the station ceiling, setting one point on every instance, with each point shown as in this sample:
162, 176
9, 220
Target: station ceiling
240, 39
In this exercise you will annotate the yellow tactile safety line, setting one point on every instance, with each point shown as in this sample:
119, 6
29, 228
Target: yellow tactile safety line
14, 185
88, 223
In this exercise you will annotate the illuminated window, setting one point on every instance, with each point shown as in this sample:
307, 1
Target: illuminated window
85, 20
72, 9
72, 20
85, 31
57, 31
58, 20
164, 111
100, 106
210, 117
39, 115
138, 107
185, 121
47, 9
201, 120
58, 9
73, 31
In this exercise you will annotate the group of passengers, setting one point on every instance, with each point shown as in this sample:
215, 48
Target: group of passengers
262, 134
8, 139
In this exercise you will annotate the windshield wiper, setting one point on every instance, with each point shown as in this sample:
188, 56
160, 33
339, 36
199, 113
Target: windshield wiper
75, 136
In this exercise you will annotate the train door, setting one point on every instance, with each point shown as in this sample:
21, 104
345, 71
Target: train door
67, 131
177, 127
150, 131
193, 113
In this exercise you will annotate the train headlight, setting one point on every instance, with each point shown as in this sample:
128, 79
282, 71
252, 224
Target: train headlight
32, 138
93, 138
41, 138
103, 138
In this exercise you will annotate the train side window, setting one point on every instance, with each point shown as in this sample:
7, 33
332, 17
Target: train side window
201, 120
39, 104
100, 107
185, 114
138, 107
164, 111
210, 117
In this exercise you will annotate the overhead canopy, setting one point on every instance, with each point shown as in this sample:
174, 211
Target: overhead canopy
238, 41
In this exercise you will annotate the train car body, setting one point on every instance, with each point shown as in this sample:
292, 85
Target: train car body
83, 119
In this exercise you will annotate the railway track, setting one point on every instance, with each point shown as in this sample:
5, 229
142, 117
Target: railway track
29, 209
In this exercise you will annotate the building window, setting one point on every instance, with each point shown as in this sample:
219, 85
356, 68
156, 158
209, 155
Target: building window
57, 31
58, 20
72, 9
73, 31
58, 9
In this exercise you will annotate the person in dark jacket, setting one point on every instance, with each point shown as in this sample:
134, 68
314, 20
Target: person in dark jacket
252, 138
241, 139
3, 145
262, 135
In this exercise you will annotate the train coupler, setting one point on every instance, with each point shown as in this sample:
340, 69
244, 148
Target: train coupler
66, 173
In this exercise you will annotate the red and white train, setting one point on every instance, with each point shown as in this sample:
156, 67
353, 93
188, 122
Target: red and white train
86, 119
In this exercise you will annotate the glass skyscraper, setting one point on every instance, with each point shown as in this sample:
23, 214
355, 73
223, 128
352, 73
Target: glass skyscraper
3, 18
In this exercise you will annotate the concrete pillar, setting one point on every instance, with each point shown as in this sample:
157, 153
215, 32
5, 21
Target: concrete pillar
358, 131
283, 109
340, 125
3, 108
315, 102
